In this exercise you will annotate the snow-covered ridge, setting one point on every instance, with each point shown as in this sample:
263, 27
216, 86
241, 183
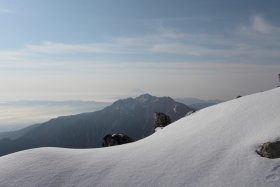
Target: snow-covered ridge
213, 147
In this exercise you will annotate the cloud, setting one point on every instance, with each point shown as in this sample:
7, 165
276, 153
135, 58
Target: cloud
60, 48
177, 48
12, 55
5, 10
258, 42
259, 24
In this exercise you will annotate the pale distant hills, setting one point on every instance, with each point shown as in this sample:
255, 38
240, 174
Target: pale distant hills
21, 113
198, 104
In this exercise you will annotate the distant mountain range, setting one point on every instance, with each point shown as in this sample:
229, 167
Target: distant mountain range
198, 104
133, 117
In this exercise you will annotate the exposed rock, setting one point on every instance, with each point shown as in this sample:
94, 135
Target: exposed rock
115, 139
161, 120
270, 150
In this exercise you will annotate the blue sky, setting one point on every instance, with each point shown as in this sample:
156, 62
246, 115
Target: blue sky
103, 49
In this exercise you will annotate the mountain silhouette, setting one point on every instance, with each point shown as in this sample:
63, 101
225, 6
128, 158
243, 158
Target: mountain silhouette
133, 117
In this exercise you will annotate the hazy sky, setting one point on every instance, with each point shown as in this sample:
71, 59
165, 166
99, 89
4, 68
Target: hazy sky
101, 49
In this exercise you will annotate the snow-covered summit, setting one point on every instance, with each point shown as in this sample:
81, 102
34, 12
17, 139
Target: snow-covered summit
213, 147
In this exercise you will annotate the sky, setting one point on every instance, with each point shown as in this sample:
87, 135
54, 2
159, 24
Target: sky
105, 49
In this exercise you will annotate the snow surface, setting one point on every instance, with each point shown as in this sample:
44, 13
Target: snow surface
213, 147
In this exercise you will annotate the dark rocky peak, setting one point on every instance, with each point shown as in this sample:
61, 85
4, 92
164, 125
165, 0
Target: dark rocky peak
149, 98
130, 103
122, 104
166, 100
145, 98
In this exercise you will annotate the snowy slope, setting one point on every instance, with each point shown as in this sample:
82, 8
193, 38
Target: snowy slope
213, 147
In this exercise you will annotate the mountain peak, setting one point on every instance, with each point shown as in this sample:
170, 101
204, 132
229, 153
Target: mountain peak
145, 97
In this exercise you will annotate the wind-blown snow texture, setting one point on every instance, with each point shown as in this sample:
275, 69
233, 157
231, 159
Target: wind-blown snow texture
213, 147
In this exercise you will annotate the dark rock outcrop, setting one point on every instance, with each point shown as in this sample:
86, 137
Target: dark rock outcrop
115, 139
270, 150
161, 120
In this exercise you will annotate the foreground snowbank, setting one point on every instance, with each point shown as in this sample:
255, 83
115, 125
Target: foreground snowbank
213, 147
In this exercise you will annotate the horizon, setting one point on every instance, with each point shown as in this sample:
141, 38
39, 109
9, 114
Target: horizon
102, 50
18, 114
108, 100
